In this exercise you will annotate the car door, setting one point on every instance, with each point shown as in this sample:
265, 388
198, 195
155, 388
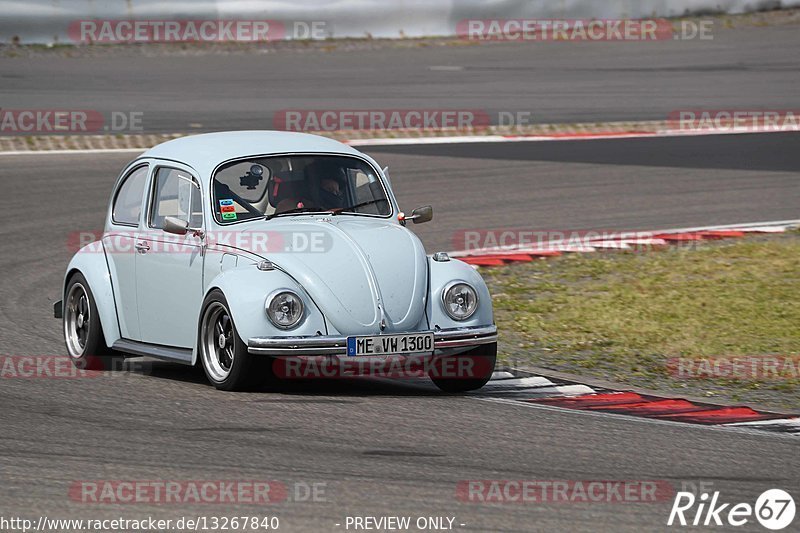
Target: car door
119, 239
169, 268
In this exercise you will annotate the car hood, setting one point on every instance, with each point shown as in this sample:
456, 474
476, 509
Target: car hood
361, 272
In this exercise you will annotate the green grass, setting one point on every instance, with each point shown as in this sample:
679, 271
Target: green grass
621, 316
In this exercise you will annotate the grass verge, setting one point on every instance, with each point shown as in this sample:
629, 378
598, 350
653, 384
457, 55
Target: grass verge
628, 316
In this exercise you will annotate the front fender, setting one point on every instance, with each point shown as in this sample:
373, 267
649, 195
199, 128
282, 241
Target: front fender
441, 274
92, 263
246, 289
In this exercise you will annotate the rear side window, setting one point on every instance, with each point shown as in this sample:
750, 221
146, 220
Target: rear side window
128, 203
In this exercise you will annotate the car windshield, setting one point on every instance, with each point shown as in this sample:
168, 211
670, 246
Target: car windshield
298, 184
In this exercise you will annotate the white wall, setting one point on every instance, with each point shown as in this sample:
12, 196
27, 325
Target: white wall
45, 21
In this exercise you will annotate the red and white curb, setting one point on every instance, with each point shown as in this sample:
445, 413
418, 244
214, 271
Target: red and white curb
790, 426
503, 255
543, 391
508, 385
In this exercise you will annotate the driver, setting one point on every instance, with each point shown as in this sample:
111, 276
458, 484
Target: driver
322, 178
330, 193
325, 190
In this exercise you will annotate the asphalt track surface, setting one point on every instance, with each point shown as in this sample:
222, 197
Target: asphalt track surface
558, 82
380, 447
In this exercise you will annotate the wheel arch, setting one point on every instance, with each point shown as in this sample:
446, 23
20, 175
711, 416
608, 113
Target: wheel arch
93, 267
245, 290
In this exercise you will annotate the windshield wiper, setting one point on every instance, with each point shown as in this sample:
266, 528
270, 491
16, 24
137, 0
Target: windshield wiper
298, 210
362, 204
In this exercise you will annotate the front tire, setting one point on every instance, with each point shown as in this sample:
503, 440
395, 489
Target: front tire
466, 371
224, 356
83, 333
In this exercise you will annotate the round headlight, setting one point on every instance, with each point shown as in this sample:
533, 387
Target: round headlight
460, 301
284, 309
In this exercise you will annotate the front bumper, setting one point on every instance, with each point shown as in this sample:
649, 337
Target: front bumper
337, 345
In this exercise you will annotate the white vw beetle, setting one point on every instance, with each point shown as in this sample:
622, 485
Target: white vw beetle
243, 249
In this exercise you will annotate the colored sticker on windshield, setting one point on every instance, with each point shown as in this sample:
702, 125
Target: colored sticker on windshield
227, 209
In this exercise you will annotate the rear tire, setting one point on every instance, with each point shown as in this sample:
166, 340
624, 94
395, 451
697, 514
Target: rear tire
466, 371
224, 356
83, 333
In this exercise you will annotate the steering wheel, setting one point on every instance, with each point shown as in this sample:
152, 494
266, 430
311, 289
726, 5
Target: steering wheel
226, 191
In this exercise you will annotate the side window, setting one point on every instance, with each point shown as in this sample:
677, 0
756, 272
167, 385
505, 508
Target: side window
128, 203
177, 195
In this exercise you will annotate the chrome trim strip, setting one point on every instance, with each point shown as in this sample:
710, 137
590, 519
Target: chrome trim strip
337, 345
319, 345
460, 337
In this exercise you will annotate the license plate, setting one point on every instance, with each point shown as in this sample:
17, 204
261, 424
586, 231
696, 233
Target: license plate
410, 343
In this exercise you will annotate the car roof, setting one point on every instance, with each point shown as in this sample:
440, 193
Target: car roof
204, 152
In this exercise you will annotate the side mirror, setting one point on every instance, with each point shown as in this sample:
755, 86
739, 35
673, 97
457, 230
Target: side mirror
176, 226
421, 215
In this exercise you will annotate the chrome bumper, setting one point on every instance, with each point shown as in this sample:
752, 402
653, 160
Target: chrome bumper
337, 345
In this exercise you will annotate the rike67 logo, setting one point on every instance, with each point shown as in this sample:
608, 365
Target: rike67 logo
774, 509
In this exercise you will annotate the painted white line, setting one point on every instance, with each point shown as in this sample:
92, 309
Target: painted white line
643, 242
517, 383
574, 249
469, 139
536, 393
764, 229
510, 250
68, 152
464, 139
570, 390
611, 245
772, 223
792, 425
502, 375
461, 139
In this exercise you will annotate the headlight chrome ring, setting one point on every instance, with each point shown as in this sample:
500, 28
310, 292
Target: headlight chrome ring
284, 308
459, 300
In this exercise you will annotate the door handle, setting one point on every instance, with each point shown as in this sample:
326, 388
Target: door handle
142, 247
